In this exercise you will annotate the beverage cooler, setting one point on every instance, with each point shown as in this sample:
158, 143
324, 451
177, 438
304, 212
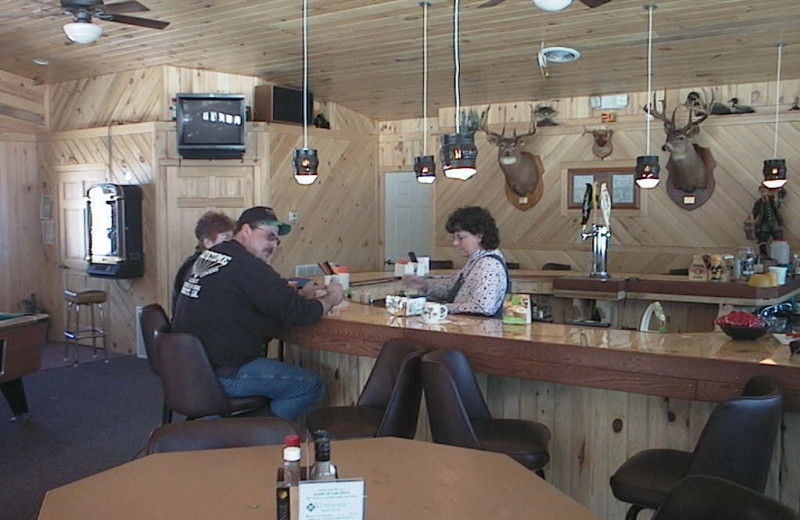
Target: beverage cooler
114, 231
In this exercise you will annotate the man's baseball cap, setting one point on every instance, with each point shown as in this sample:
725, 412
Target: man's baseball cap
263, 214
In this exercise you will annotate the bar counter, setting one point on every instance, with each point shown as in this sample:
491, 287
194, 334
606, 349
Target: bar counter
695, 366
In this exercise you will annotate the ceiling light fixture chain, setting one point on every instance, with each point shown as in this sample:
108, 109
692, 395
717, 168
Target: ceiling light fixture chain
305, 73
457, 58
425, 6
650, 8
777, 99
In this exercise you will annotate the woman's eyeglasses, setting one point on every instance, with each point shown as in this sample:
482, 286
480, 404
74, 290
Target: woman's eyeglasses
458, 237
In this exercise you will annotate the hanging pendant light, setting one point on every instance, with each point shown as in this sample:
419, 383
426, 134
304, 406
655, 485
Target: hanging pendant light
305, 161
424, 165
774, 170
647, 168
458, 151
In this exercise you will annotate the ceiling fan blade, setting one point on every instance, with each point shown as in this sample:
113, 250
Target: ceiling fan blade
491, 3
134, 20
124, 7
595, 3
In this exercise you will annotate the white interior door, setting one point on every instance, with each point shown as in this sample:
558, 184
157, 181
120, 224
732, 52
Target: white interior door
408, 220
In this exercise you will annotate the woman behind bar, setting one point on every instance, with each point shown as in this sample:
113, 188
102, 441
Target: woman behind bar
480, 286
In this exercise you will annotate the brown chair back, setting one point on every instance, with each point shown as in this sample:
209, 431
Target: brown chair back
700, 497
739, 437
212, 434
453, 397
395, 383
152, 318
190, 385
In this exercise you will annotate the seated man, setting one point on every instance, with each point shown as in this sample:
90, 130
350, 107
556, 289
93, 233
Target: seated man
213, 228
234, 301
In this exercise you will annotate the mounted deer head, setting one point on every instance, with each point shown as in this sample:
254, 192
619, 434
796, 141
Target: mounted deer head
688, 171
602, 146
519, 168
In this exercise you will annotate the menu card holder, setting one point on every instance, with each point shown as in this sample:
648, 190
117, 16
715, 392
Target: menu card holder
341, 499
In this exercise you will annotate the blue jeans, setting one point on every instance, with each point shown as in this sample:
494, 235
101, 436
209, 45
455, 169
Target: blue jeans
293, 390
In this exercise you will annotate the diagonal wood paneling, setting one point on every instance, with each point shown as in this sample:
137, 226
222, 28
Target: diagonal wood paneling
663, 238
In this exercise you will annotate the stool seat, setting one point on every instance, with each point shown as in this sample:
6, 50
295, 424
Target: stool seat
85, 296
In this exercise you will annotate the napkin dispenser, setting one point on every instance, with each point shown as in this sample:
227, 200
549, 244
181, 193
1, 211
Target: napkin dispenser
405, 305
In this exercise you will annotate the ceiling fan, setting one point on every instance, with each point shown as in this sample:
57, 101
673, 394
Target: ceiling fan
550, 5
84, 10
83, 31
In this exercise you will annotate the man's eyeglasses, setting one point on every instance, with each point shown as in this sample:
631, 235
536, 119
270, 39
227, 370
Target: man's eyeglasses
270, 236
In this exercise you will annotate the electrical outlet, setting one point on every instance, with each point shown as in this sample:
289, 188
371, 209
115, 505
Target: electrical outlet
294, 217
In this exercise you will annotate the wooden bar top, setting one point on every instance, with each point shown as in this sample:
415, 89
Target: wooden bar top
697, 366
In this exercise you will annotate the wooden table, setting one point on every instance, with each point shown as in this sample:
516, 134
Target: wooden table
404, 480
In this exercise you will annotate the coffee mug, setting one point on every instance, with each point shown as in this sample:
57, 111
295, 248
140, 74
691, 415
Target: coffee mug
433, 313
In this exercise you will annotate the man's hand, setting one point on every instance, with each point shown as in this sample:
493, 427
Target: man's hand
334, 295
309, 290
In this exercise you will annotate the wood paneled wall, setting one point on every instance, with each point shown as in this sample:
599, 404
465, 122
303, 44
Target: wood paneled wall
663, 236
22, 109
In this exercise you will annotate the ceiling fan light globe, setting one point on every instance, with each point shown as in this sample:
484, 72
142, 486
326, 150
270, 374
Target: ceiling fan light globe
552, 5
83, 32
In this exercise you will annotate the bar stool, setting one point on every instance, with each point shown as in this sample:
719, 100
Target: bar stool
74, 333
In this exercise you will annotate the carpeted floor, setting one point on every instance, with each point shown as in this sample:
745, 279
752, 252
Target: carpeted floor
84, 419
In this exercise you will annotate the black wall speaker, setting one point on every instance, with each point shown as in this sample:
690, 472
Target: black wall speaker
281, 104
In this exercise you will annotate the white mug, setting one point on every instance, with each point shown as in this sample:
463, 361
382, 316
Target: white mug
433, 313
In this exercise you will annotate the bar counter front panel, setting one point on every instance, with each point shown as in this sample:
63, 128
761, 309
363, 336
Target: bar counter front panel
604, 393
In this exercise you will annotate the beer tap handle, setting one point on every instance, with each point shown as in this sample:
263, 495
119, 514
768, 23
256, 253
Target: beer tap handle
605, 204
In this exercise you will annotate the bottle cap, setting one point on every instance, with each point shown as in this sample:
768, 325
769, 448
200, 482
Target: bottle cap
291, 453
292, 440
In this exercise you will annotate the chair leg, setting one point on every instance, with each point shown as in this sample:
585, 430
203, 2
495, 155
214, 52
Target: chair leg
166, 414
633, 512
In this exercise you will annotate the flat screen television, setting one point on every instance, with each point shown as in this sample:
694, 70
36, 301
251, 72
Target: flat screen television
210, 126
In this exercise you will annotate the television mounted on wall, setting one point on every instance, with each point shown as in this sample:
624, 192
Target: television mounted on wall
210, 126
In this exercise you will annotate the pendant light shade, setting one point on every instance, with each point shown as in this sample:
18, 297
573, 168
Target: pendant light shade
304, 165
647, 170
775, 169
774, 173
458, 151
458, 155
424, 165
425, 168
305, 160
552, 5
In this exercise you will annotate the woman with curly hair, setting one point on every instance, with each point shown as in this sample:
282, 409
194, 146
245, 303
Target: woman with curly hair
480, 286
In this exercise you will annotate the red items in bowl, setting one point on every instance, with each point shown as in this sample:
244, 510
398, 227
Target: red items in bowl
742, 325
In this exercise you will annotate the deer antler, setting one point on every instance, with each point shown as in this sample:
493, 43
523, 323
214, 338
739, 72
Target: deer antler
532, 129
485, 128
651, 109
704, 109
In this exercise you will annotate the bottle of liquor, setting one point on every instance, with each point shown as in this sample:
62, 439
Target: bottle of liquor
291, 460
322, 469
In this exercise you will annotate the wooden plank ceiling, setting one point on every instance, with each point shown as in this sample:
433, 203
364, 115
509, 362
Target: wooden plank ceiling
367, 54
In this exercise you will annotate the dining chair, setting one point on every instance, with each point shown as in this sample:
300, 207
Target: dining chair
191, 387
459, 415
153, 318
700, 497
211, 434
736, 444
389, 403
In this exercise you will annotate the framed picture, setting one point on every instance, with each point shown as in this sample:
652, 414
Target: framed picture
46, 207
621, 185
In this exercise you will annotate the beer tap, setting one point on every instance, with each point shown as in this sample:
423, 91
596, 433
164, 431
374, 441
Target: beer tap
600, 234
